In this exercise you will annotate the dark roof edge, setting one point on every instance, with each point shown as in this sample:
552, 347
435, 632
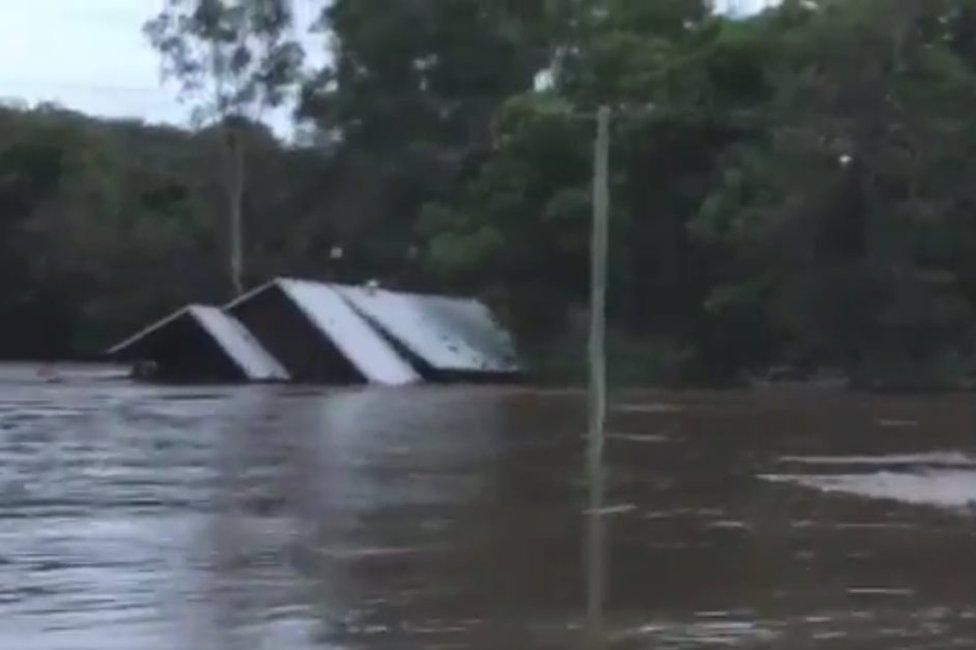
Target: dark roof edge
146, 331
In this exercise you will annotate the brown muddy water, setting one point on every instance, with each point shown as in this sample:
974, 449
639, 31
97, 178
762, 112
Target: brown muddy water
266, 517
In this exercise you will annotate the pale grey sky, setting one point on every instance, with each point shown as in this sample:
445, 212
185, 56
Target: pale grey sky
91, 56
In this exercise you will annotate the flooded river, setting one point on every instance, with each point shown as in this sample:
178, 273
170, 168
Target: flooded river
275, 517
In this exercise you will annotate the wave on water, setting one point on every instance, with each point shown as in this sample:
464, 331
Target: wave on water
942, 488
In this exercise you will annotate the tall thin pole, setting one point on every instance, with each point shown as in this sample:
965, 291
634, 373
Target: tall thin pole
595, 554
235, 197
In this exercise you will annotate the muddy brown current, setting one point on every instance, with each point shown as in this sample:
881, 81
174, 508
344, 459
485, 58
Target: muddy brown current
279, 517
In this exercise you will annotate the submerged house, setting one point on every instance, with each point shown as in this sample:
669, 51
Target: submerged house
318, 336
299, 330
446, 339
201, 343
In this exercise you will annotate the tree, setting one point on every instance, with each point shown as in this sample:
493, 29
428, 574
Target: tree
520, 225
835, 223
409, 96
789, 188
233, 60
106, 226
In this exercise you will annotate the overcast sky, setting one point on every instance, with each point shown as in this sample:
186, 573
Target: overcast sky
91, 56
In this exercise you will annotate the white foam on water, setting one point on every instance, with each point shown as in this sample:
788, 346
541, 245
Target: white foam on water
712, 632
936, 458
606, 511
942, 488
900, 592
652, 407
649, 438
896, 424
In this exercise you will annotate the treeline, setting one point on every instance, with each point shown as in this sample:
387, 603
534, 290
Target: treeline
106, 226
791, 189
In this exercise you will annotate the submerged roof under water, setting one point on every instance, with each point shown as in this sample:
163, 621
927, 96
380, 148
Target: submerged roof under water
315, 331
226, 332
451, 335
350, 333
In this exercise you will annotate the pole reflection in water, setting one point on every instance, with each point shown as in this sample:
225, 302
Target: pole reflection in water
595, 555
595, 559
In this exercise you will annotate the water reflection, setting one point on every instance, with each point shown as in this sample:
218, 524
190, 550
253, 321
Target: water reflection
284, 517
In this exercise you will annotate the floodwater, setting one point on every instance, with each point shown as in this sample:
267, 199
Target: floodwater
273, 517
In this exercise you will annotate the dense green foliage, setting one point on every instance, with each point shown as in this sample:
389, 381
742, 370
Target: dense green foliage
233, 59
788, 189
106, 226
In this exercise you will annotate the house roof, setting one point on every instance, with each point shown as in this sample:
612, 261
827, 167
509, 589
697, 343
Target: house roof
234, 340
383, 334
449, 334
351, 334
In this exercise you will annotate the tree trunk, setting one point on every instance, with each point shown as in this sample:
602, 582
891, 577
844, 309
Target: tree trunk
234, 186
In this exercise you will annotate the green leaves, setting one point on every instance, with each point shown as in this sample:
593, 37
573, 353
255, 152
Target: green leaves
766, 171
231, 57
790, 187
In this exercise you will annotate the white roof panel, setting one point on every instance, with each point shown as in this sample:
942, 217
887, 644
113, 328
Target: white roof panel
365, 348
239, 344
254, 362
450, 334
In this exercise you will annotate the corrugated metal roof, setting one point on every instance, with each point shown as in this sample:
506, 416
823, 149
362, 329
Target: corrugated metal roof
254, 362
248, 354
449, 334
372, 356
381, 333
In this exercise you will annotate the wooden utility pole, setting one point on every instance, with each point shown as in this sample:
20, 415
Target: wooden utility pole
234, 185
595, 559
